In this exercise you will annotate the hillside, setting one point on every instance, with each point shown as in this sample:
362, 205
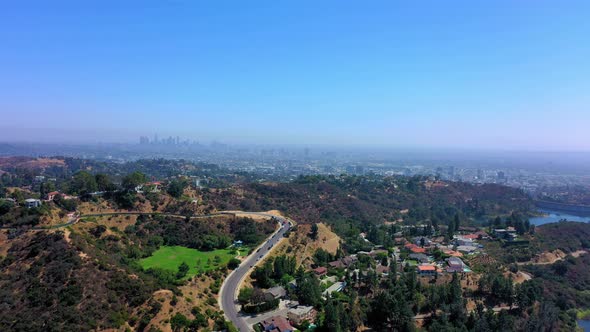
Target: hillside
89, 277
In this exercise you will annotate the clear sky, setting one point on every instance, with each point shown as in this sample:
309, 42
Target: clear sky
466, 74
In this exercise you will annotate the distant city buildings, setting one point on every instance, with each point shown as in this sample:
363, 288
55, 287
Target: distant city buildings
170, 141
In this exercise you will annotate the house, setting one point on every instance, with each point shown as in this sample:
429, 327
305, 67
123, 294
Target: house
463, 241
277, 292
426, 270
302, 313
418, 250
349, 260
32, 203
399, 240
238, 243
276, 324
467, 249
419, 257
153, 187
451, 252
344, 262
51, 196
415, 249
374, 253
422, 241
455, 264
337, 264
336, 287
320, 271
504, 233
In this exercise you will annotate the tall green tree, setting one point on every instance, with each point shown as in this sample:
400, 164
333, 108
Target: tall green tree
133, 180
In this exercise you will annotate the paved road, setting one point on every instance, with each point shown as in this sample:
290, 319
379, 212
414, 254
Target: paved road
229, 289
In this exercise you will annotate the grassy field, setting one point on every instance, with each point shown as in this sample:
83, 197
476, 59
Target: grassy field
170, 258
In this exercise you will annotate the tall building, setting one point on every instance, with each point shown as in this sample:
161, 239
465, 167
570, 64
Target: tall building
480, 174
452, 172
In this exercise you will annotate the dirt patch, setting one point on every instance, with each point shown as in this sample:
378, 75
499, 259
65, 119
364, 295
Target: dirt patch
4, 243
550, 257
30, 163
196, 293
303, 247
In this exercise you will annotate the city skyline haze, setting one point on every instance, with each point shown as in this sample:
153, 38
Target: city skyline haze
460, 75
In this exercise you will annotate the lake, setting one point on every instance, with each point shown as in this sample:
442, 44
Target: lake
585, 325
555, 216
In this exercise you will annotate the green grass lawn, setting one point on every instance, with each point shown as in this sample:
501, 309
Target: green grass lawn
170, 258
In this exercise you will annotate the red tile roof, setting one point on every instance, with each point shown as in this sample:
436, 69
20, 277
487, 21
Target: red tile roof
426, 268
418, 250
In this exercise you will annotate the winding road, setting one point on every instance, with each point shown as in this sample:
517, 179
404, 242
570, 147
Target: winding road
229, 289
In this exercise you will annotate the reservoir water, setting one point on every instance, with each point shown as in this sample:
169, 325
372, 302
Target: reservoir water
585, 325
555, 216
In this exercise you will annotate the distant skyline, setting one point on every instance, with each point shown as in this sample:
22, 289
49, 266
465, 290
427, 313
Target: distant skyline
508, 75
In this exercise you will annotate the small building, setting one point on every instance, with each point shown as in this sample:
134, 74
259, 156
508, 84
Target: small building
375, 253
418, 250
277, 292
455, 264
415, 249
320, 271
276, 324
238, 243
302, 313
422, 241
336, 287
337, 264
51, 196
504, 233
426, 270
419, 257
467, 249
463, 241
32, 203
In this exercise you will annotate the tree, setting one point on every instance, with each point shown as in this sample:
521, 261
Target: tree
83, 183
133, 180
314, 232
457, 222
309, 291
331, 317
5, 206
182, 270
176, 188
103, 182
233, 263
390, 312
245, 295
178, 322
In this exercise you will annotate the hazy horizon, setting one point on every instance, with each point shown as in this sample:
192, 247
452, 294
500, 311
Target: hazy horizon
497, 76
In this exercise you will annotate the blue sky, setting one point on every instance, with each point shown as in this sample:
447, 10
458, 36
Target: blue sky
453, 74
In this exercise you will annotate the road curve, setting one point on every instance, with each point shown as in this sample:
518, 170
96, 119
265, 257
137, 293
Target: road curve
229, 288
